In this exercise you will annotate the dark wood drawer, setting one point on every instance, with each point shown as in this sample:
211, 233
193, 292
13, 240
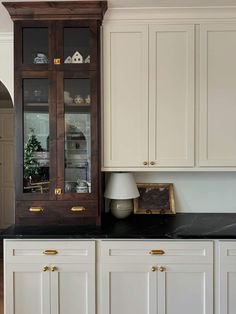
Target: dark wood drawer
54, 212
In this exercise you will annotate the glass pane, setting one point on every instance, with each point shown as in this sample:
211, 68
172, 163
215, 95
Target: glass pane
35, 45
36, 136
76, 45
77, 136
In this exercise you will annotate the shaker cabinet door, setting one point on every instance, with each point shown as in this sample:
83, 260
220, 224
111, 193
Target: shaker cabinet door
27, 289
185, 289
217, 128
73, 288
125, 114
171, 95
128, 289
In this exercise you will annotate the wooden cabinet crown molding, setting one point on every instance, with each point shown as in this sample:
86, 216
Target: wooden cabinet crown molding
63, 10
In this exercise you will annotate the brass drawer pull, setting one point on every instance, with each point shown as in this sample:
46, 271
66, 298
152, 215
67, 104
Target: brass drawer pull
154, 268
50, 252
36, 209
152, 163
157, 252
145, 163
77, 209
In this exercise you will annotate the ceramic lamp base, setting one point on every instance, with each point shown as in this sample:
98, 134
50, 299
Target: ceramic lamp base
121, 208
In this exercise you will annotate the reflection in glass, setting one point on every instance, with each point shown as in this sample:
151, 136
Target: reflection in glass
35, 45
76, 45
77, 137
36, 136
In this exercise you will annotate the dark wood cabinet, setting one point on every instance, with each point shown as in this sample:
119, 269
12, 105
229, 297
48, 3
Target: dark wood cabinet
57, 100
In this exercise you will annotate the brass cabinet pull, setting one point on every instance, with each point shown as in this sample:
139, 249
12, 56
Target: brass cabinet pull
46, 268
54, 268
152, 163
36, 209
162, 269
145, 163
58, 191
157, 252
57, 61
154, 268
77, 208
50, 252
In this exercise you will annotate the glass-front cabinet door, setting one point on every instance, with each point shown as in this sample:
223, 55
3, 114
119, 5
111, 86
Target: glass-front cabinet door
77, 130
77, 44
37, 170
36, 45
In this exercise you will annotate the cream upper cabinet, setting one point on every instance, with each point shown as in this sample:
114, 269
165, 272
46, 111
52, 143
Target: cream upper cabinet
125, 133
148, 96
171, 95
217, 128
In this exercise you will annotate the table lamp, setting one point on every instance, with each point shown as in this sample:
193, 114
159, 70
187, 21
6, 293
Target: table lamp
121, 189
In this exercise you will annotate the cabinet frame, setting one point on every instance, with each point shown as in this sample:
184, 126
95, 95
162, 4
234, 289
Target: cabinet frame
55, 16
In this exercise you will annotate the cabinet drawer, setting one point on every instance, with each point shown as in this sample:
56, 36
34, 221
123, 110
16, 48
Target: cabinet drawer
51, 212
227, 252
157, 251
37, 251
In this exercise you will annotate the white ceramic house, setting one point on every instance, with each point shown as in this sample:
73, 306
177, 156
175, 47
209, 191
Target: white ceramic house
77, 57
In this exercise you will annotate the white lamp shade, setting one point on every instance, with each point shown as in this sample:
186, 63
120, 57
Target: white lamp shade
121, 186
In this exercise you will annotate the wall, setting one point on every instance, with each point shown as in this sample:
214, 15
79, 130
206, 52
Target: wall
198, 192
194, 192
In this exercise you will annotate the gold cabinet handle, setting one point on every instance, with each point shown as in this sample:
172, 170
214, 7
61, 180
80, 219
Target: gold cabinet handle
54, 268
152, 163
145, 163
77, 209
154, 268
162, 269
57, 61
157, 252
36, 209
58, 191
46, 268
50, 252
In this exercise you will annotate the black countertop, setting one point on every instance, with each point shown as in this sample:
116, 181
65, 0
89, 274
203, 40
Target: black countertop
179, 226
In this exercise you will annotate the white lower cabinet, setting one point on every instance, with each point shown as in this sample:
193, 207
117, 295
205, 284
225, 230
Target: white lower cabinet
49, 277
227, 275
156, 277
133, 277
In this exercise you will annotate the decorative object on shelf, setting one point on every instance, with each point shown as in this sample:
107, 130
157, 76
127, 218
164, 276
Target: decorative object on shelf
78, 100
70, 187
31, 164
121, 189
67, 98
77, 58
155, 198
82, 186
88, 100
68, 60
40, 58
87, 60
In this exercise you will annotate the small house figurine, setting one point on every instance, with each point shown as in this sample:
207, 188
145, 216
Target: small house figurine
88, 100
78, 100
68, 60
77, 58
87, 60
